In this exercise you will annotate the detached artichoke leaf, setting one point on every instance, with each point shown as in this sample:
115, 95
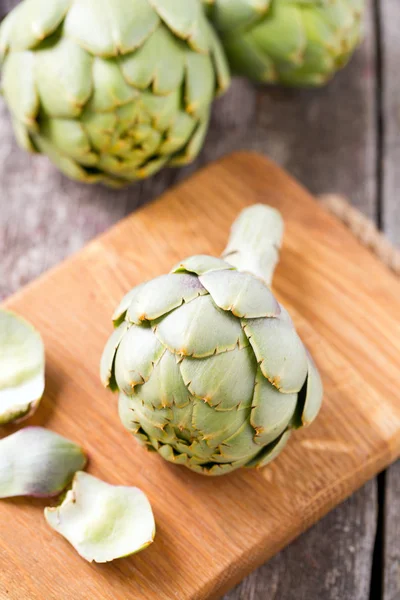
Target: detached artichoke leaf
22, 365
37, 462
103, 521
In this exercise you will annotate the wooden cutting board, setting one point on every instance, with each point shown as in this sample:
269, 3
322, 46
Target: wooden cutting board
211, 532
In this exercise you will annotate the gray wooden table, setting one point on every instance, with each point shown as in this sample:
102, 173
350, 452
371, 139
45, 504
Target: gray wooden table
344, 138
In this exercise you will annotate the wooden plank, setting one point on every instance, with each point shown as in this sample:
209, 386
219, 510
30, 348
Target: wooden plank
391, 535
390, 54
305, 569
238, 521
390, 57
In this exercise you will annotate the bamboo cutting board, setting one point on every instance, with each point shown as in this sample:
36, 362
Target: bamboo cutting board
211, 532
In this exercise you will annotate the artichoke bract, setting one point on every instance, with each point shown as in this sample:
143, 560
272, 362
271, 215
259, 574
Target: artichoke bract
103, 521
37, 462
210, 370
22, 368
111, 90
294, 42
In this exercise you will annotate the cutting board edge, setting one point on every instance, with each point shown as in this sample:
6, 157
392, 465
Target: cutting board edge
349, 485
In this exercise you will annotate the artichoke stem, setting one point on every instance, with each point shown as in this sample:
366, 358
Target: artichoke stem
255, 241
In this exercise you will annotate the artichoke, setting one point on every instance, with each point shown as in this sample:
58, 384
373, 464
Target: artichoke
294, 42
111, 90
210, 370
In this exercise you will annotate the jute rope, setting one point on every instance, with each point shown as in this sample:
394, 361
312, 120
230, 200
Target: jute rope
363, 229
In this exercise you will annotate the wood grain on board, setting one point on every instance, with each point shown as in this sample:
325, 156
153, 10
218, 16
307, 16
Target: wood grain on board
211, 531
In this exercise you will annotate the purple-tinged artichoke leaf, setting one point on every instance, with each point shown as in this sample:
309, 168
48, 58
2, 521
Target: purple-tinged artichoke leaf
37, 462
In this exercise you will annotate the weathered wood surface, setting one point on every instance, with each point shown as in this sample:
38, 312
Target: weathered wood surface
332, 140
235, 523
389, 44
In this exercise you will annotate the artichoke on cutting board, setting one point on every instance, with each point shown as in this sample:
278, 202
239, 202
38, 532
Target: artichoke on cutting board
111, 90
210, 370
294, 42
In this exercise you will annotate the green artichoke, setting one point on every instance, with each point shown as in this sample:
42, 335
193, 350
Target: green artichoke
210, 370
111, 90
294, 42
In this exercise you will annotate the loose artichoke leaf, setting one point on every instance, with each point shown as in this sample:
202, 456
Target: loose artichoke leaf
224, 381
37, 462
161, 295
103, 521
201, 264
22, 365
271, 411
270, 452
241, 293
199, 329
279, 352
